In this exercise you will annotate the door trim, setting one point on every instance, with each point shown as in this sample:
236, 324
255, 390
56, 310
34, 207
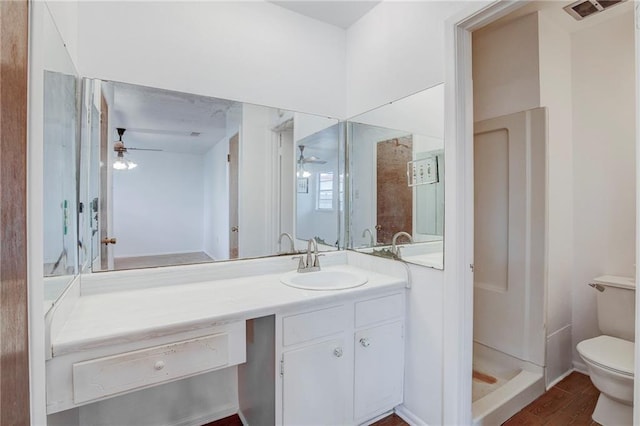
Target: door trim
458, 278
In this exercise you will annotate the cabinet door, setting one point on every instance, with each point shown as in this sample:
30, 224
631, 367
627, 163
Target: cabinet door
317, 384
379, 369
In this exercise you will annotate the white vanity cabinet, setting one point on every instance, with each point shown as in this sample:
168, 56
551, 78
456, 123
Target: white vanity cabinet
316, 384
94, 374
342, 364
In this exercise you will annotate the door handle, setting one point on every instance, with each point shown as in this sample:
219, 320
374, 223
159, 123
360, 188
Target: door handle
378, 227
234, 229
107, 241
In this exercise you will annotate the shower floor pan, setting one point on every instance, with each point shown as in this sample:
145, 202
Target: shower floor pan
502, 385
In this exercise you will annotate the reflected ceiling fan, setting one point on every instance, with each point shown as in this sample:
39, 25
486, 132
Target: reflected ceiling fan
119, 145
308, 160
122, 163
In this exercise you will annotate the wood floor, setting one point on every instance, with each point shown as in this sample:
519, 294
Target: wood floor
391, 420
570, 402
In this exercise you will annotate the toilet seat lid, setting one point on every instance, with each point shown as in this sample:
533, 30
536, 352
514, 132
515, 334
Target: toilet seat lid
609, 352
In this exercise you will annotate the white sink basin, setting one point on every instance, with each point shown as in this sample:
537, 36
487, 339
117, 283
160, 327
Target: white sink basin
324, 280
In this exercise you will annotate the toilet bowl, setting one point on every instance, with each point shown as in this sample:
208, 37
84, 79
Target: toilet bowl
609, 358
609, 361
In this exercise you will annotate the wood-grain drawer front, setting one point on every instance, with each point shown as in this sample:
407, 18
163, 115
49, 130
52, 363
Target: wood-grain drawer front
313, 325
133, 370
380, 309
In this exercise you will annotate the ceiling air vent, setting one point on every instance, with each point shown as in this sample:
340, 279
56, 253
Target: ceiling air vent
583, 8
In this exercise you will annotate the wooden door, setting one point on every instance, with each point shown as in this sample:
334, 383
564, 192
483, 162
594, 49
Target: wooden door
379, 370
393, 194
233, 196
317, 385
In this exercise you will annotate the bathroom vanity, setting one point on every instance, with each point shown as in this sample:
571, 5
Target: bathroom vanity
338, 353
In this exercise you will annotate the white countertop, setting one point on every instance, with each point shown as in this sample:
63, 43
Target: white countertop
107, 318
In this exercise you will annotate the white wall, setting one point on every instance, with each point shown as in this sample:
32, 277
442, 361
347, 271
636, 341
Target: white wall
604, 162
247, 51
65, 16
506, 68
158, 206
423, 379
554, 46
395, 50
255, 184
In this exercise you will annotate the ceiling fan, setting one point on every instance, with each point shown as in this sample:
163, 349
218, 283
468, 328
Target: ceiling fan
308, 160
122, 163
119, 147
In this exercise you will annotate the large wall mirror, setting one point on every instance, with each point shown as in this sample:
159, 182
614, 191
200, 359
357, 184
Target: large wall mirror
172, 178
60, 150
396, 167
320, 185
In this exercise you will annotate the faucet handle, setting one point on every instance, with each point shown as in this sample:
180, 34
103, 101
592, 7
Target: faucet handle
301, 264
316, 262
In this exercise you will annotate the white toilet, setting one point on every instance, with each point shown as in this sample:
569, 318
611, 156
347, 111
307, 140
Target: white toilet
609, 358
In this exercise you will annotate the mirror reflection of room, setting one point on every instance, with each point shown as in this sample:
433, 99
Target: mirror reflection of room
320, 187
397, 178
180, 177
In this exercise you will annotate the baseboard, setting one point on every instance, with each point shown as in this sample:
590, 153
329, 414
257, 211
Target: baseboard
243, 419
406, 415
224, 411
559, 379
580, 367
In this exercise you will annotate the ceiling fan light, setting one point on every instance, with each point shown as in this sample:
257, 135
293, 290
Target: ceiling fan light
131, 165
120, 163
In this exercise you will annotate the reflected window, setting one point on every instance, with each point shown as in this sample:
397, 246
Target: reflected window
325, 191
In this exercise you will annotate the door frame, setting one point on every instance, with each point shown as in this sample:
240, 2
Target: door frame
458, 277
458, 248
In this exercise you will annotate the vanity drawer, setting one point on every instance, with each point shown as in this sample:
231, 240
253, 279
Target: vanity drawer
380, 309
102, 377
313, 325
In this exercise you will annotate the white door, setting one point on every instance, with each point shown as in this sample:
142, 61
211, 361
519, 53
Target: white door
509, 228
317, 385
379, 369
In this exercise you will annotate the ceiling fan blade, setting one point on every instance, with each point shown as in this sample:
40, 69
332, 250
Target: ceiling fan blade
145, 149
313, 160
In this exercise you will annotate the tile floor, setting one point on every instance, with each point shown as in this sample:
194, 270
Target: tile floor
570, 402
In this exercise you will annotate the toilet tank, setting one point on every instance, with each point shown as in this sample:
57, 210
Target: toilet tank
616, 306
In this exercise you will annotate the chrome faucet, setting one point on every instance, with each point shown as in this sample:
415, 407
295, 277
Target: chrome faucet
292, 247
396, 250
312, 262
364, 234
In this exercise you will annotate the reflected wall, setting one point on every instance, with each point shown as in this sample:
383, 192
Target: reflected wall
396, 169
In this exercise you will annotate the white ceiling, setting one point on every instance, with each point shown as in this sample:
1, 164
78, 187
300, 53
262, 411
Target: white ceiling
162, 119
339, 13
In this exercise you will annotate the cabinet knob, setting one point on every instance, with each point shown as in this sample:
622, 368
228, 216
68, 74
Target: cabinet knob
365, 342
159, 365
337, 352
